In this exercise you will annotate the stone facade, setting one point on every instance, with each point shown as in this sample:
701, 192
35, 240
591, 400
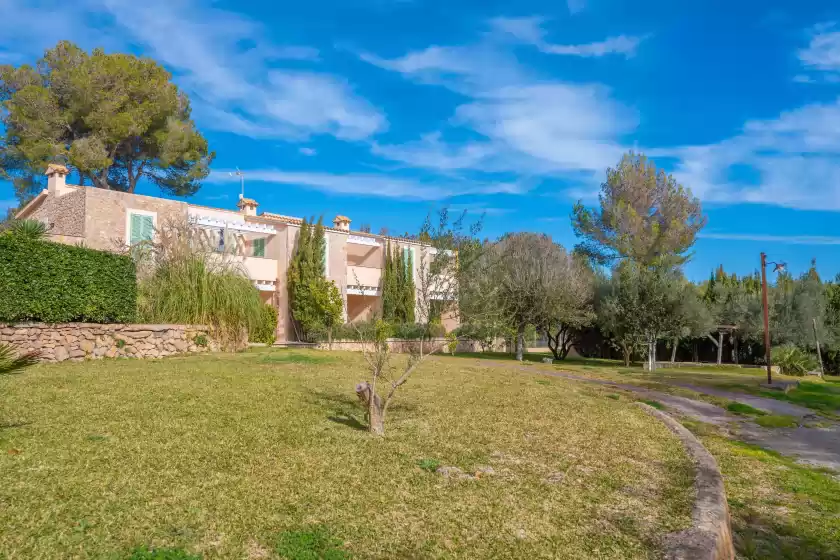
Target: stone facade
87, 341
64, 216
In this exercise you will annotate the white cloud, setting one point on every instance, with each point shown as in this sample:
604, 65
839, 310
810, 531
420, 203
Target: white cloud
787, 239
521, 122
530, 31
222, 59
792, 160
823, 51
308, 151
367, 184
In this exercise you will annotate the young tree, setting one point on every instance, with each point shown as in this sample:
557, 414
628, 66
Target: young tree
644, 216
440, 271
113, 118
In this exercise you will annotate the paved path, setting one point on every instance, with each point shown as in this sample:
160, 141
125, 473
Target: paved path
762, 403
812, 446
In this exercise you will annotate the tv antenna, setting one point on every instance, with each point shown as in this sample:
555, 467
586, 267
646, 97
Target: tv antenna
241, 175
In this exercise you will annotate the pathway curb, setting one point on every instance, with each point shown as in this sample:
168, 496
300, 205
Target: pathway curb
710, 537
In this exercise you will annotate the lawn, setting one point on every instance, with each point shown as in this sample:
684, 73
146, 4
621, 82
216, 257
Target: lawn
262, 455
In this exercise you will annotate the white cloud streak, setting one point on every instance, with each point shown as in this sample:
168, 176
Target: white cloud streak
364, 184
531, 31
823, 50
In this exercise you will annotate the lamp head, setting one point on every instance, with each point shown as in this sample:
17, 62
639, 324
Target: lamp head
779, 267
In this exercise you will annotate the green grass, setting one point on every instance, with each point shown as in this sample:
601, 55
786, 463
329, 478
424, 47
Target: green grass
777, 421
244, 456
655, 404
780, 509
744, 409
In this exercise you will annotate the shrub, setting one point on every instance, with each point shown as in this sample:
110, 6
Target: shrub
792, 360
266, 329
183, 283
363, 330
55, 283
200, 340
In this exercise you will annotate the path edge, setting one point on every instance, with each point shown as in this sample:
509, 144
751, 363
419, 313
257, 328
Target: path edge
710, 536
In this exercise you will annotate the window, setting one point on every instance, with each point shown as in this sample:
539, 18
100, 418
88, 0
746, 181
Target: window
259, 247
141, 226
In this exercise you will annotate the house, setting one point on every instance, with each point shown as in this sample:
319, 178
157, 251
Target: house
262, 242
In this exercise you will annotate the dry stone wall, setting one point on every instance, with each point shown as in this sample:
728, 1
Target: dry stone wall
86, 341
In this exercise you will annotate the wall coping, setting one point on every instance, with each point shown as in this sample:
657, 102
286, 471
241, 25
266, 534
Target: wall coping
124, 326
710, 534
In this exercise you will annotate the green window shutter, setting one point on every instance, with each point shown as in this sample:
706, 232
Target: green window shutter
259, 247
135, 229
148, 228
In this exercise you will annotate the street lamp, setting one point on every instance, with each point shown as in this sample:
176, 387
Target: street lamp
776, 268
241, 176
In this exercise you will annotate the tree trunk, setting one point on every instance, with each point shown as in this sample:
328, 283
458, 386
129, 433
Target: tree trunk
720, 348
520, 343
329, 338
651, 356
626, 352
695, 352
674, 350
735, 349
375, 412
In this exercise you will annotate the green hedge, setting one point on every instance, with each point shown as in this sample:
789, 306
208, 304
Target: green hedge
55, 283
364, 330
267, 328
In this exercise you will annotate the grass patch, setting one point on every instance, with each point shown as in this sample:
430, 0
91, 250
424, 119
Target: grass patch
777, 421
780, 509
311, 544
214, 454
744, 409
430, 465
655, 404
144, 553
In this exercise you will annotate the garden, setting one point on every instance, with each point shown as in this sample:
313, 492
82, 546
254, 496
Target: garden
264, 454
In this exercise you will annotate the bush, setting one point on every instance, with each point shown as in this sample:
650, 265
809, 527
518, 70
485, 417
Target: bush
364, 330
266, 330
792, 360
55, 283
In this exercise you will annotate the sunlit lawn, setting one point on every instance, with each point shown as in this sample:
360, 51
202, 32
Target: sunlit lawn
260, 455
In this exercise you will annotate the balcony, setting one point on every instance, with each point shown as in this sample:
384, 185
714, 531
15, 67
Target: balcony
365, 279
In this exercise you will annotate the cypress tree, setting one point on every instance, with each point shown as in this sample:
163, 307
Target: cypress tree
408, 289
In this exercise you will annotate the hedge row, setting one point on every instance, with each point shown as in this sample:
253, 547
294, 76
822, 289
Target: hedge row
55, 283
364, 331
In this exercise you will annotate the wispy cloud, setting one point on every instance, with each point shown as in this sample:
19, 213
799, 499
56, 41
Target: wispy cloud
823, 51
225, 61
523, 122
786, 239
366, 184
307, 151
576, 6
531, 31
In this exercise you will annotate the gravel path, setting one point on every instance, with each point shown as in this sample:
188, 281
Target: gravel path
811, 446
762, 403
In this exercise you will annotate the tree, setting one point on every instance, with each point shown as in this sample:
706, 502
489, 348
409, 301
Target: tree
440, 271
315, 303
113, 118
644, 216
398, 289
530, 273
571, 304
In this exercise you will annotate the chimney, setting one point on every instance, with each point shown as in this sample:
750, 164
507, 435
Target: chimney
57, 179
248, 206
342, 223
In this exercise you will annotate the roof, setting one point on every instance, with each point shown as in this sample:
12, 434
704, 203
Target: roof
247, 202
341, 218
270, 216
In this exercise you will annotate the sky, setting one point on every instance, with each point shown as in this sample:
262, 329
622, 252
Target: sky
386, 110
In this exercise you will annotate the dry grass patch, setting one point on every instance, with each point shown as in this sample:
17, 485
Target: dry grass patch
236, 456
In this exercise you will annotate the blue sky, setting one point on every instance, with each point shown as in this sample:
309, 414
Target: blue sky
385, 109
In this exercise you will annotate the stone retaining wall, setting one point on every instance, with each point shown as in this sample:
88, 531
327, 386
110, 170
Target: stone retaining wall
710, 536
81, 341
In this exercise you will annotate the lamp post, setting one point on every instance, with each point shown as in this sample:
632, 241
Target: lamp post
777, 268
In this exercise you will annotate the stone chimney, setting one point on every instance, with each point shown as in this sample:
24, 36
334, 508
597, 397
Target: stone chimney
57, 179
248, 206
342, 223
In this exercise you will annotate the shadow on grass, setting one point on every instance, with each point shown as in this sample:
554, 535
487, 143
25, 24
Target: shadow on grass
16, 424
538, 358
759, 536
343, 408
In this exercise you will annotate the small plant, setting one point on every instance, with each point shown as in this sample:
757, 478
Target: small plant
614, 397
10, 362
120, 343
430, 465
777, 421
744, 409
266, 328
313, 544
200, 340
655, 404
792, 360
